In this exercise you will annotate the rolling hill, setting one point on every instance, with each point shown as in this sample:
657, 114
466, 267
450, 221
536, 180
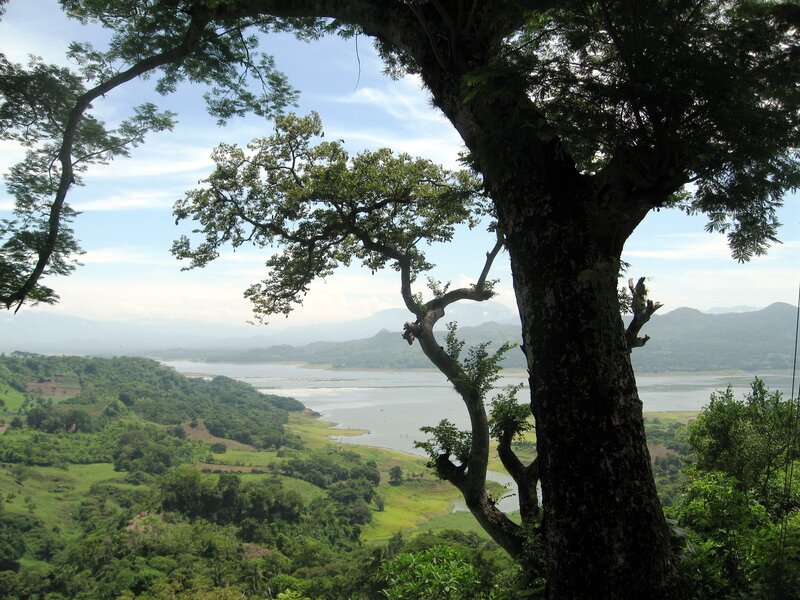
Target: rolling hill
681, 340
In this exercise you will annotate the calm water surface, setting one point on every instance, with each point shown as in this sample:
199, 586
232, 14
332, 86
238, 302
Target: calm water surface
392, 405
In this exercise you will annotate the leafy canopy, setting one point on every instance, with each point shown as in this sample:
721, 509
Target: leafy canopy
321, 208
682, 102
35, 105
45, 109
750, 440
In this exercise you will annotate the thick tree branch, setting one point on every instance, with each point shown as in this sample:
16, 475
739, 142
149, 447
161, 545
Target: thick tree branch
469, 478
490, 256
478, 292
526, 477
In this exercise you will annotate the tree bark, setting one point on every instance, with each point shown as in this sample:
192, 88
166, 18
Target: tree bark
605, 530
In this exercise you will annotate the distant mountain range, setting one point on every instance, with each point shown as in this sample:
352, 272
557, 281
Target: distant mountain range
682, 340
50, 333
689, 340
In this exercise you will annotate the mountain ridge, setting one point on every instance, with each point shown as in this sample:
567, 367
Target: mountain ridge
684, 339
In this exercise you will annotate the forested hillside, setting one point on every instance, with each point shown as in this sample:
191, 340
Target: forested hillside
122, 479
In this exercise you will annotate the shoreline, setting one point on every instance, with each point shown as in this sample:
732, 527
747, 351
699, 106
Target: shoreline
510, 371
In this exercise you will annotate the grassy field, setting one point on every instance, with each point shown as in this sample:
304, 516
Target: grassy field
409, 506
56, 389
201, 433
672, 416
458, 520
53, 494
420, 503
12, 399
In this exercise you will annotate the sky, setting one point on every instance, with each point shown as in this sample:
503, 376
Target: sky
126, 226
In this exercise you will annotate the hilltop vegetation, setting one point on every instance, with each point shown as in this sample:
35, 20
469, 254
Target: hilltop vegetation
115, 486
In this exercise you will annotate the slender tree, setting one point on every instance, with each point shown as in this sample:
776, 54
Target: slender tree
45, 108
323, 209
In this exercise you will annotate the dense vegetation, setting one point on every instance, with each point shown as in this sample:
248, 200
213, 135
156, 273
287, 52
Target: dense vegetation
113, 486
729, 485
103, 497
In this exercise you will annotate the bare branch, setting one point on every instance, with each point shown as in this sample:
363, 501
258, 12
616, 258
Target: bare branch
643, 309
490, 256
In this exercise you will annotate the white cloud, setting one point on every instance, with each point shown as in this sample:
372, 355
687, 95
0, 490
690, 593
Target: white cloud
145, 199
47, 40
10, 154
156, 160
347, 296
120, 256
404, 100
132, 299
410, 124
684, 247
443, 149
212, 295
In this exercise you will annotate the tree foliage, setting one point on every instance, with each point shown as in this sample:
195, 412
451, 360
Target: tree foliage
438, 572
751, 440
322, 208
45, 108
740, 504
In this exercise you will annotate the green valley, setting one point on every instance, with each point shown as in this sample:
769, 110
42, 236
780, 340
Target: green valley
121, 478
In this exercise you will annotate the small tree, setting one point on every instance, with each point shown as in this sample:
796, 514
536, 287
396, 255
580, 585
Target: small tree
751, 440
739, 505
395, 475
324, 209
45, 108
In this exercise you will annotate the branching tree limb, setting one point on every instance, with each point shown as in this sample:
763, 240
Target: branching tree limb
642, 308
379, 209
45, 108
190, 42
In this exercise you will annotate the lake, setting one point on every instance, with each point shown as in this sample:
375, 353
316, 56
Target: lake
393, 405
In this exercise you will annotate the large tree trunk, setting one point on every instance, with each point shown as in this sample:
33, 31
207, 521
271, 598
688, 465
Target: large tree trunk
606, 535
604, 527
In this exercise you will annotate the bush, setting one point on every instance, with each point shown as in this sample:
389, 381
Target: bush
439, 572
